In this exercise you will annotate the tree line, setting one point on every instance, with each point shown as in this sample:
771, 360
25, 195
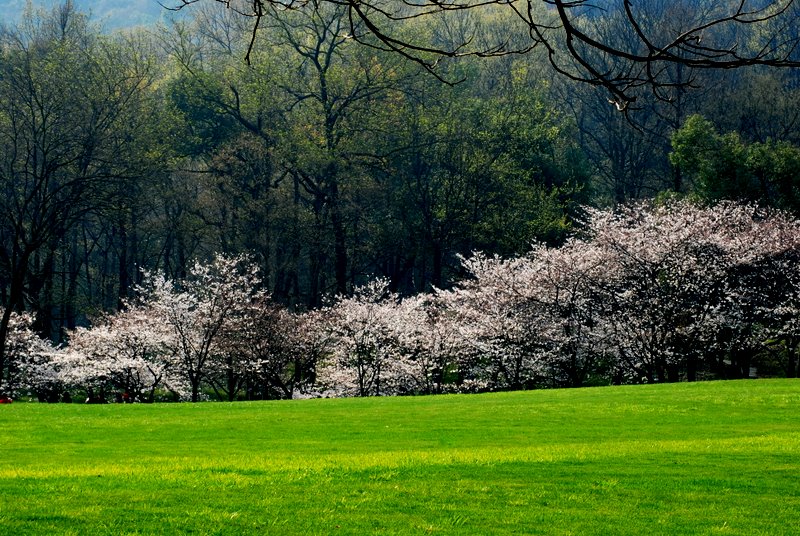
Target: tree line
656, 292
331, 163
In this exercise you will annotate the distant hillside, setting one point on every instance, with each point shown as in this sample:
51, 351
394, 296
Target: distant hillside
111, 14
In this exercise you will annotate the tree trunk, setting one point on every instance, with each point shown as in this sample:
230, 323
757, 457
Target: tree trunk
792, 358
438, 261
339, 252
231, 379
15, 295
122, 268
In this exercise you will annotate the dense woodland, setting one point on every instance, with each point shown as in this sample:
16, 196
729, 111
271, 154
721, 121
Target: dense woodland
142, 154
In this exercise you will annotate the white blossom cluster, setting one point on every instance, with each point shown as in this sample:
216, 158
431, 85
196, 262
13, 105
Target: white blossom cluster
644, 293
647, 293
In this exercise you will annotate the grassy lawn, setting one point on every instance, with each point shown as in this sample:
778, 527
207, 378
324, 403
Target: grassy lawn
704, 458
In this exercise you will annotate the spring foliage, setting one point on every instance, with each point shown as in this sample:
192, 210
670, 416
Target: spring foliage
646, 293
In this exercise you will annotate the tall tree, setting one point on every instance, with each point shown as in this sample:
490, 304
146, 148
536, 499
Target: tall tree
64, 98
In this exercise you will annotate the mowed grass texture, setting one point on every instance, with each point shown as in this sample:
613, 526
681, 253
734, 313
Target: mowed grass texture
704, 458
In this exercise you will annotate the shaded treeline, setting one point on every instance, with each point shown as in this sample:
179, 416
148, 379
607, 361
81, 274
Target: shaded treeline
327, 161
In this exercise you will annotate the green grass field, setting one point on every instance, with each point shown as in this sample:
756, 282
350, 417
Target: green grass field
703, 458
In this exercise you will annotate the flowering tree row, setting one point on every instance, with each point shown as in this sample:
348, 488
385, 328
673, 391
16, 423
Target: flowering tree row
214, 333
645, 293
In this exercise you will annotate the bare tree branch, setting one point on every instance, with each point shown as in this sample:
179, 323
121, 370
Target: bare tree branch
710, 35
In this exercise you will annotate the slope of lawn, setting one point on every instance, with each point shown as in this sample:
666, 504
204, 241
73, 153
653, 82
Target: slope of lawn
704, 458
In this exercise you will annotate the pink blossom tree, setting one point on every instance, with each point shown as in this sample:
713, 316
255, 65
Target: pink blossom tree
279, 349
200, 310
499, 325
26, 364
531, 320
436, 336
647, 292
673, 279
131, 352
768, 316
371, 352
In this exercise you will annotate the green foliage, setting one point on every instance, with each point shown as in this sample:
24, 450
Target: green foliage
332, 162
77, 116
486, 165
660, 459
540, 173
724, 166
197, 105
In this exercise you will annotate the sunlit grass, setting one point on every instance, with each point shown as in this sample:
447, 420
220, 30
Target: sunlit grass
670, 459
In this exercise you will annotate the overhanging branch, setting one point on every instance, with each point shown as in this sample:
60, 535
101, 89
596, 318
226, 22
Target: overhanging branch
623, 46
